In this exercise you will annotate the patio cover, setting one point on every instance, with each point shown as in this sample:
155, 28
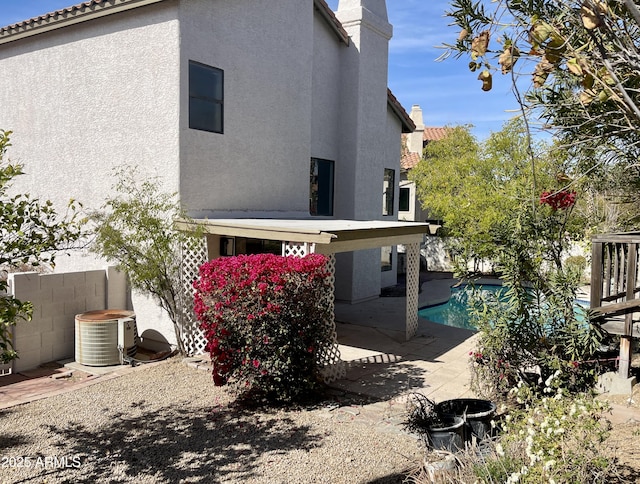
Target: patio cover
329, 236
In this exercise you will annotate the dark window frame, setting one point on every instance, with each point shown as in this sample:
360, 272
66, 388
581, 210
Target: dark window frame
206, 102
321, 198
404, 199
388, 191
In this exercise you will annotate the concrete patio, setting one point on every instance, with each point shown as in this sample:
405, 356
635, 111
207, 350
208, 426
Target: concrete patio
382, 365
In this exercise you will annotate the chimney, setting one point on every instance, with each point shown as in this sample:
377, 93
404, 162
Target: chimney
371, 14
376, 7
364, 104
415, 139
365, 147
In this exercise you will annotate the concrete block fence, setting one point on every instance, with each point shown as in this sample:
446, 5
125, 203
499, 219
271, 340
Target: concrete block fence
57, 299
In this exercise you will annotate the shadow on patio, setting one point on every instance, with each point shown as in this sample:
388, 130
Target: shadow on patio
382, 365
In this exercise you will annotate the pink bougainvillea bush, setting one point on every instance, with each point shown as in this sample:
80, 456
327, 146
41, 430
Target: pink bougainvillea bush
265, 319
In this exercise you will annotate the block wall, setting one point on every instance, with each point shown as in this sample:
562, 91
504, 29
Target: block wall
57, 299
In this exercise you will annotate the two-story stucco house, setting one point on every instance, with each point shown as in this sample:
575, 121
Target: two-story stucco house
245, 108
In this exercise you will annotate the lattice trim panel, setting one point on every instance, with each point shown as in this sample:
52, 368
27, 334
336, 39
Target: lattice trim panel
194, 254
297, 249
331, 366
413, 275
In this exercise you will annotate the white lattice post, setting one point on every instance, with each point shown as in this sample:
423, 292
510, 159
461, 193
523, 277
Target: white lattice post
194, 254
297, 249
413, 287
333, 368
328, 358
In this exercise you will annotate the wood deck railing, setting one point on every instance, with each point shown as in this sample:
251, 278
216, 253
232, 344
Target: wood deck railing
615, 288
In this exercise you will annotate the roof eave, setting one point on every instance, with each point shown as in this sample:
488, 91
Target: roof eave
331, 19
68, 16
408, 126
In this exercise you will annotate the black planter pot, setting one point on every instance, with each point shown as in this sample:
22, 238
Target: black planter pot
476, 413
448, 435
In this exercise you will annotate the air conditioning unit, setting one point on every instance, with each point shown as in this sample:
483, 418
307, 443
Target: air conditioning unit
100, 333
126, 336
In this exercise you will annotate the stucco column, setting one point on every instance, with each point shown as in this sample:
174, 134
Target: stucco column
413, 286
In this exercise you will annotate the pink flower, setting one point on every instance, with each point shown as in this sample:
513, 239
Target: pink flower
256, 363
558, 200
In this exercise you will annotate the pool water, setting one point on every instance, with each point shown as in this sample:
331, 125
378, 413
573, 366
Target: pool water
454, 312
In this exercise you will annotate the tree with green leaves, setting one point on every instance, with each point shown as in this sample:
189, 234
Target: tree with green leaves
477, 188
500, 207
135, 230
32, 232
575, 70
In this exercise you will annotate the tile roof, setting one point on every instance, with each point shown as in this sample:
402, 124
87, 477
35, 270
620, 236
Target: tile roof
73, 9
76, 13
435, 134
67, 16
409, 160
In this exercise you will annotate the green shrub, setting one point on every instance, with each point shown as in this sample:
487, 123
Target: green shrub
527, 334
552, 438
135, 230
32, 233
576, 264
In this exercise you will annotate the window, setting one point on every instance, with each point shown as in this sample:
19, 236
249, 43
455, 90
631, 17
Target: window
404, 199
257, 246
387, 191
321, 187
205, 97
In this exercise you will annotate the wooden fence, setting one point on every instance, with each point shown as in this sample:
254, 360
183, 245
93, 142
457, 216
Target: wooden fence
615, 288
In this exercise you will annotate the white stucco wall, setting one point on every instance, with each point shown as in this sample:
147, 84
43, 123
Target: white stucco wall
364, 150
325, 94
415, 212
392, 148
87, 98
261, 162
84, 99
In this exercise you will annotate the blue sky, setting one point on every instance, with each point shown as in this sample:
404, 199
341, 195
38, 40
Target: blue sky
447, 92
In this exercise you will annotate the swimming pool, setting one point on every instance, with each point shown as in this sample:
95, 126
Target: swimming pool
455, 313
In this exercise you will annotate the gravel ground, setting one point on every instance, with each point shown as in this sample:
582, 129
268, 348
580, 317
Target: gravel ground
168, 423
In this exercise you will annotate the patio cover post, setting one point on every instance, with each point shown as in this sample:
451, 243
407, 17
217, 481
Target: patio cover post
413, 287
